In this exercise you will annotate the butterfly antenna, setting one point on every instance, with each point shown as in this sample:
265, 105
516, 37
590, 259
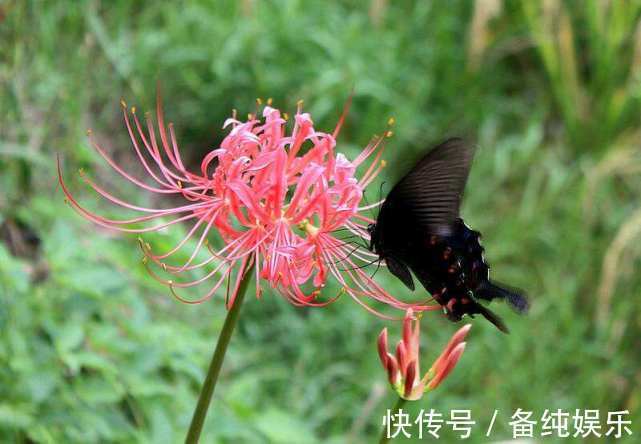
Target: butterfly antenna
365, 199
352, 235
341, 259
352, 239
380, 197
380, 190
351, 243
367, 264
377, 268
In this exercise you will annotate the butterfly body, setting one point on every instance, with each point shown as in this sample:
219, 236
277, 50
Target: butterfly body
419, 230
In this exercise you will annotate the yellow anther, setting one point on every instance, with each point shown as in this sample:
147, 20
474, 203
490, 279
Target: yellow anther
391, 121
250, 116
89, 132
383, 163
148, 246
285, 116
163, 266
133, 110
269, 102
259, 101
170, 283
180, 184
300, 102
123, 103
389, 134
310, 229
145, 259
303, 224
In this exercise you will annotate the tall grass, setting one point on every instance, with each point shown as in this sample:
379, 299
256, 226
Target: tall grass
91, 350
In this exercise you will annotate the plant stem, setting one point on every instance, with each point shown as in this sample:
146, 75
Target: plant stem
399, 404
207, 391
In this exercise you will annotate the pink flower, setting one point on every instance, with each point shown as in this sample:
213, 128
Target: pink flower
403, 369
280, 201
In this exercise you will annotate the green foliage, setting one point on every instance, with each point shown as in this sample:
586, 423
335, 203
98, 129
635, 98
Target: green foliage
592, 56
93, 350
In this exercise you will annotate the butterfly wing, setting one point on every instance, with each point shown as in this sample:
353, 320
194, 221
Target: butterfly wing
400, 270
492, 317
430, 194
516, 298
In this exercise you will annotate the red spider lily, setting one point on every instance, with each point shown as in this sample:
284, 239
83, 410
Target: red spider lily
277, 200
403, 369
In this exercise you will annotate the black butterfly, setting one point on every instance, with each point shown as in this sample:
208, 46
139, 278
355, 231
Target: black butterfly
419, 229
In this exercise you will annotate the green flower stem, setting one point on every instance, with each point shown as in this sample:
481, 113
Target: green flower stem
217, 359
399, 405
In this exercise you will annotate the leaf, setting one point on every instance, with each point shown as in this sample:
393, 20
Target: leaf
69, 337
282, 427
97, 390
14, 416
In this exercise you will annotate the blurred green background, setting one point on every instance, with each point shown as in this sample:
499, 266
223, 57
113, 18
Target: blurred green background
94, 350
